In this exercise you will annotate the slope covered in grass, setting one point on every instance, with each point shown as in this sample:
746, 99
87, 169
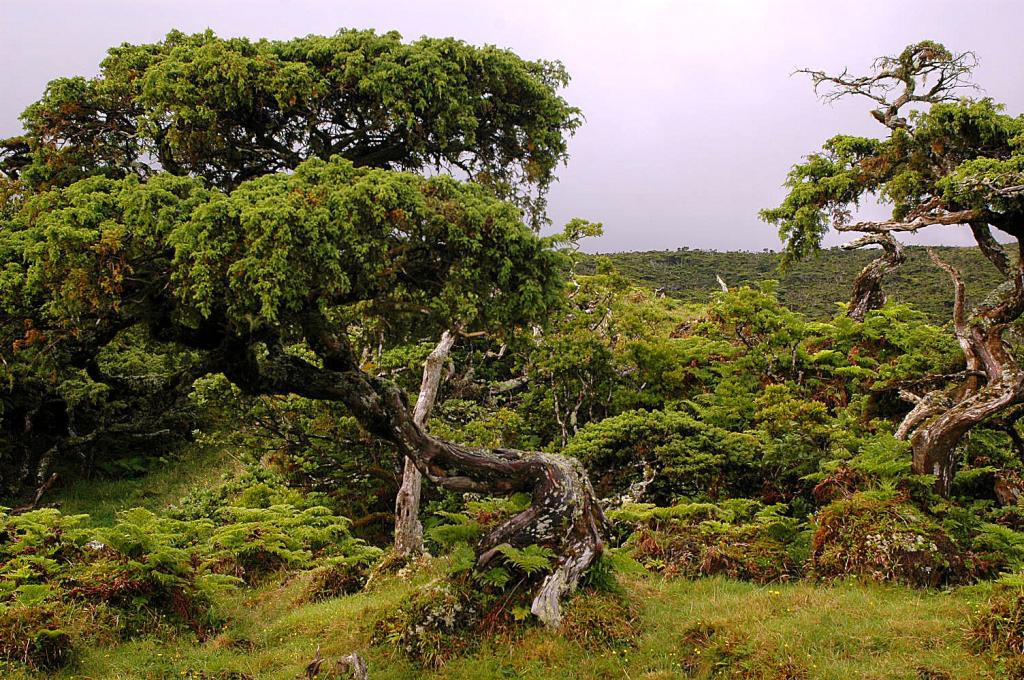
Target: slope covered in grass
812, 286
161, 486
704, 628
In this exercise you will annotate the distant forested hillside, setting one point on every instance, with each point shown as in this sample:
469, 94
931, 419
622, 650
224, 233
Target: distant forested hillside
813, 286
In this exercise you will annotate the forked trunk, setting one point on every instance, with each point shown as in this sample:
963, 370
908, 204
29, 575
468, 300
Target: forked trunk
408, 529
564, 515
994, 382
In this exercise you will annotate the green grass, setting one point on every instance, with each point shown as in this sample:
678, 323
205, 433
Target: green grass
195, 466
688, 629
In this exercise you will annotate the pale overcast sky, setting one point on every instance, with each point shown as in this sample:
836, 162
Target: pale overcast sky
692, 117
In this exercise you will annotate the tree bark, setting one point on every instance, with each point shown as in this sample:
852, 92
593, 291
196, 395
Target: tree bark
408, 529
934, 444
564, 515
995, 381
867, 287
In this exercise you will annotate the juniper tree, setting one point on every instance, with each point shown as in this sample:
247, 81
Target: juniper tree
944, 160
253, 204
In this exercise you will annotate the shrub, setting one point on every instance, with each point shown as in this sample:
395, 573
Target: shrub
687, 457
746, 541
147, 572
435, 625
884, 539
336, 578
999, 629
34, 637
599, 621
253, 542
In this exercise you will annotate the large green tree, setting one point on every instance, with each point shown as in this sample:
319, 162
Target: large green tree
944, 160
254, 207
230, 110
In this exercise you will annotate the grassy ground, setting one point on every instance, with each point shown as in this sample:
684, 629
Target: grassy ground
196, 466
705, 628
708, 628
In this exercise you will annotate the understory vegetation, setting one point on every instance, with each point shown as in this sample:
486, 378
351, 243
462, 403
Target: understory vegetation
751, 475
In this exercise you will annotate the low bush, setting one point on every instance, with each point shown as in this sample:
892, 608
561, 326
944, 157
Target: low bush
147, 572
34, 636
884, 538
740, 539
435, 625
686, 456
998, 628
601, 620
338, 577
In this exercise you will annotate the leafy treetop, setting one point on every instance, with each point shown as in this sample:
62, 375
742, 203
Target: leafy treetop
229, 110
328, 244
958, 162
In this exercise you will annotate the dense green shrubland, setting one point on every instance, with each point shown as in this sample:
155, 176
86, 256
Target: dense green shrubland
814, 286
182, 257
735, 438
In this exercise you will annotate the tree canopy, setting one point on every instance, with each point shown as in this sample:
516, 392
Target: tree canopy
228, 110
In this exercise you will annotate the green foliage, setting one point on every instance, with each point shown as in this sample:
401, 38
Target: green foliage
878, 461
194, 185
530, 559
252, 542
741, 539
602, 621
815, 286
475, 518
254, 487
231, 109
147, 572
470, 422
999, 626
339, 232
435, 625
688, 457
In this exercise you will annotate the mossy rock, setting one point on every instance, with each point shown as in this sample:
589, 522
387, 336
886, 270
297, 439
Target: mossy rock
884, 540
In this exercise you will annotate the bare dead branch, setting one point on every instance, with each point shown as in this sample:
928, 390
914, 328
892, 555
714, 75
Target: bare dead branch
923, 73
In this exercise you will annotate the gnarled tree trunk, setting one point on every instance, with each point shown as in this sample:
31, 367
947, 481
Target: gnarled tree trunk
994, 382
408, 529
867, 287
564, 515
